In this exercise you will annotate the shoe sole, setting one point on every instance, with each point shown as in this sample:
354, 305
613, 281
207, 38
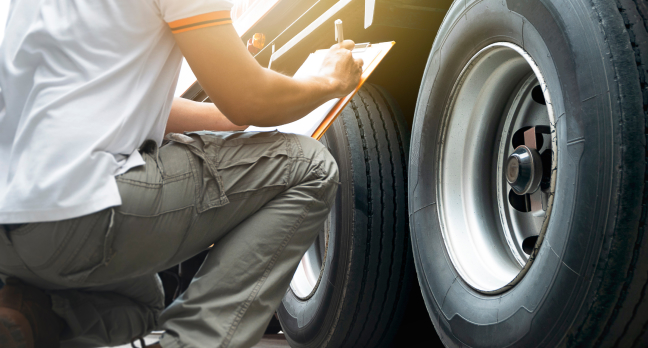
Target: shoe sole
15, 331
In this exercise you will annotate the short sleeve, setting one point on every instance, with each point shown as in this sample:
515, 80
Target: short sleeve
183, 15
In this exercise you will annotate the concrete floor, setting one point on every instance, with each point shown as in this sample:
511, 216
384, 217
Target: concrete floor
273, 341
268, 341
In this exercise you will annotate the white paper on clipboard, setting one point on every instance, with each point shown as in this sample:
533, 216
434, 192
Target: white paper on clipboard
308, 124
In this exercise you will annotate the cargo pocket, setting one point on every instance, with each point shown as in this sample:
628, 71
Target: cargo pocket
209, 191
94, 253
253, 163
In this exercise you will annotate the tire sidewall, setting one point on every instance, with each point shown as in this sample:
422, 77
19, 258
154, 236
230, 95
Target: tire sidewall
578, 80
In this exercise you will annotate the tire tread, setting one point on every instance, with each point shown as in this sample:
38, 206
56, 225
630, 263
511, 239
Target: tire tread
397, 192
365, 270
379, 218
388, 235
629, 297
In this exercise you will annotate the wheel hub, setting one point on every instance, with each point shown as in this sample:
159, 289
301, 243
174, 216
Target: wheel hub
524, 170
501, 103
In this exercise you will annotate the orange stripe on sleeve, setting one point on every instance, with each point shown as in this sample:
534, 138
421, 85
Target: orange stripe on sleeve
200, 21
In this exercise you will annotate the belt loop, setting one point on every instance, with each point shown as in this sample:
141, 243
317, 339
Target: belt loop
4, 235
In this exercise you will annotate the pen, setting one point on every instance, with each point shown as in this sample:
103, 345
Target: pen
339, 35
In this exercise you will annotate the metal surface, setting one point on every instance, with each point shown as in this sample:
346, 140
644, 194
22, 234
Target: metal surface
491, 103
411, 14
270, 16
524, 170
303, 37
280, 33
247, 13
308, 274
319, 23
534, 120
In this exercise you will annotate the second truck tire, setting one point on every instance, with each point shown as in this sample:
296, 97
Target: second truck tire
495, 270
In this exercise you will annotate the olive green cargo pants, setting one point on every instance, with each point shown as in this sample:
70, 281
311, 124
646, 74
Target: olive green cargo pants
260, 198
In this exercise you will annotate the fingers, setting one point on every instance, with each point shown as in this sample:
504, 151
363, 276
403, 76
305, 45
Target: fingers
346, 44
340, 64
359, 62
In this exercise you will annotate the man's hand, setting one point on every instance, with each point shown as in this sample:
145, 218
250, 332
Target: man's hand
246, 93
342, 68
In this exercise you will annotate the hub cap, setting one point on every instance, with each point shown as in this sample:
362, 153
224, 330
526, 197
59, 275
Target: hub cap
524, 170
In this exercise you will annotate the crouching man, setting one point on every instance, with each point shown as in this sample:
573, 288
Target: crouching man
92, 205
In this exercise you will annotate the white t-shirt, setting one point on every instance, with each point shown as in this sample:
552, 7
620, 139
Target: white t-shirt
82, 85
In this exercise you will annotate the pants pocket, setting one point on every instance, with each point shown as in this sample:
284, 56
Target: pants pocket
210, 192
250, 162
94, 253
39, 245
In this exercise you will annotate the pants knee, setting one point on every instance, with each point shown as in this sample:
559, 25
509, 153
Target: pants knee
323, 164
320, 156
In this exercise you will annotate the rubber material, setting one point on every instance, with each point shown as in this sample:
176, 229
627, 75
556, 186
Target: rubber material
588, 284
368, 268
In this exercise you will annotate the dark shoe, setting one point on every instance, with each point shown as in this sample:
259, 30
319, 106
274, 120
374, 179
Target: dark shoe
26, 317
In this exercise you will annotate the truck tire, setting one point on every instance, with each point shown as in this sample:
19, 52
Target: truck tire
516, 90
350, 290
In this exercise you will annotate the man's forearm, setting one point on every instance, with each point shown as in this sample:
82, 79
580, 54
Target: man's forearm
187, 116
247, 93
277, 99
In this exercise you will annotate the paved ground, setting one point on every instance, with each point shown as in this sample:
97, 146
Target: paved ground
273, 341
268, 341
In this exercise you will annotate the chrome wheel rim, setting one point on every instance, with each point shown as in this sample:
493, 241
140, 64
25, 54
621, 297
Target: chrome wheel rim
499, 108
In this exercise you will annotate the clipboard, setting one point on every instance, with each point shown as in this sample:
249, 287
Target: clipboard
319, 120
